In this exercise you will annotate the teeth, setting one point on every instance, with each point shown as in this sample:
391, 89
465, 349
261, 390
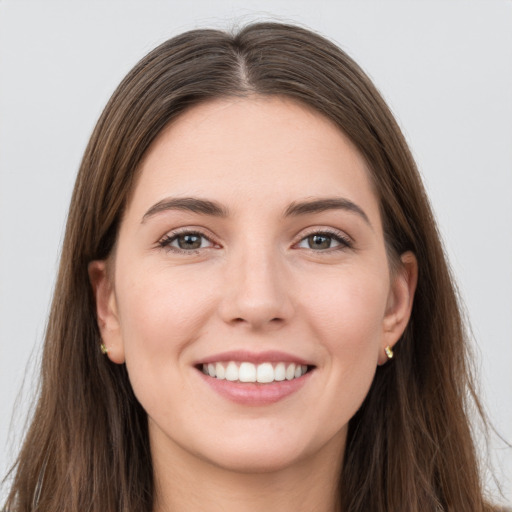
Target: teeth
265, 373
220, 371
232, 371
280, 372
248, 372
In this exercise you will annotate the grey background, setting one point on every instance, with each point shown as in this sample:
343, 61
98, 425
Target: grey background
445, 67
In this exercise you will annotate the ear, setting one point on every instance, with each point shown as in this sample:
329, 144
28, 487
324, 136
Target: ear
400, 300
106, 310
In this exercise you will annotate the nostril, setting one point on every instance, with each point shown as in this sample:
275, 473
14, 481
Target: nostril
240, 320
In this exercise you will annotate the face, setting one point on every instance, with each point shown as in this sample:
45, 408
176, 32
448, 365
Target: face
250, 295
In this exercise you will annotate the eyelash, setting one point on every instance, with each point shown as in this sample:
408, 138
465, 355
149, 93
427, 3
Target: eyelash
168, 239
343, 240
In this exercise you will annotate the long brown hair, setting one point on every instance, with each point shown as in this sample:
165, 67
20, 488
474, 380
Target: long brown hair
409, 447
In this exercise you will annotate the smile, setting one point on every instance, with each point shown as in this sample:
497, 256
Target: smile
255, 378
263, 373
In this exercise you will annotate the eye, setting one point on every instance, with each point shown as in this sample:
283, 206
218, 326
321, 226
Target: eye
321, 241
187, 241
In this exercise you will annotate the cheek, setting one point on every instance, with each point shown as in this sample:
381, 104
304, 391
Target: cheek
161, 313
348, 322
348, 310
344, 314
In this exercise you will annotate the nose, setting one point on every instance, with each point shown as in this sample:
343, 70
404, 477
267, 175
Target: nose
257, 291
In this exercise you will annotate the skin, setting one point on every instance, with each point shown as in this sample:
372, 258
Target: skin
257, 284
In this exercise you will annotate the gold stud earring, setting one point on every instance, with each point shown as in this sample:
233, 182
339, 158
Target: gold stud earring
389, 352
104, 349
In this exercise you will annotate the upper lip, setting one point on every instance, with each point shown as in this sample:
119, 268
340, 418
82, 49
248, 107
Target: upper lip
269, 356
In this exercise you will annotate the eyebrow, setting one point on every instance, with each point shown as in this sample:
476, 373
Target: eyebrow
190, 204
215, 209
325, 204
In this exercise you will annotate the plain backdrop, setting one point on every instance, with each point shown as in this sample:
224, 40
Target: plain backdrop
445, 68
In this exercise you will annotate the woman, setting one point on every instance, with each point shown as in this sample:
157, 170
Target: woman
253, 308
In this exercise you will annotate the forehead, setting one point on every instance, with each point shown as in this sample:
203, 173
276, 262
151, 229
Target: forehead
245, 150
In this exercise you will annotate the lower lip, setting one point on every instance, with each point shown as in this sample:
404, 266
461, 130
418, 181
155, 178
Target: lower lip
254, 393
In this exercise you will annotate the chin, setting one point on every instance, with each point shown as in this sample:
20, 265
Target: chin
271, 451
255, 460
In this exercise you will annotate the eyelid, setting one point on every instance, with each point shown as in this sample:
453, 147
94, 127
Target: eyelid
345, 241
165, 241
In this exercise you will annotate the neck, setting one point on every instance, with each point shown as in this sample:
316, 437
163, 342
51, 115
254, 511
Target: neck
185, 482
